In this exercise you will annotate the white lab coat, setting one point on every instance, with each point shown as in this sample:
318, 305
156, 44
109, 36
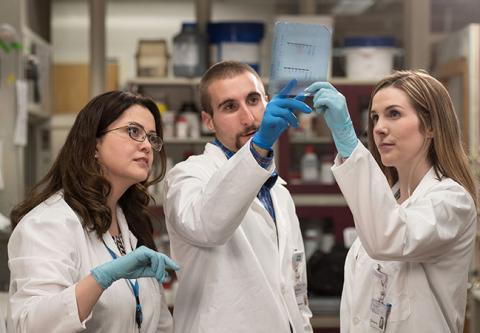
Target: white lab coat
236, 275
49, 251
424, 245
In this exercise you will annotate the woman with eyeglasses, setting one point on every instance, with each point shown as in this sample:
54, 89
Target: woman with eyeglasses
82, 255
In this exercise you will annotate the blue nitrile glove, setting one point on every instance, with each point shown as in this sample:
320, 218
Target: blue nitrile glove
142, 262
278, 115
333, 106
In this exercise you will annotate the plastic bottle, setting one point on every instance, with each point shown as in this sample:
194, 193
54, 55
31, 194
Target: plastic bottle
312, 240
328, 238
181, 127
189, 52
326, 175
191, 113
309, 165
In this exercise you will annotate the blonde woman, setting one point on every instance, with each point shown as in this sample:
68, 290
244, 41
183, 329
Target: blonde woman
413, 199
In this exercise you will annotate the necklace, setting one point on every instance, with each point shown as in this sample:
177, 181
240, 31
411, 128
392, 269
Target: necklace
135, 290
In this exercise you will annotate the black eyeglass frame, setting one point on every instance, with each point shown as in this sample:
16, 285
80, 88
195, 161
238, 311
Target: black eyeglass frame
143, 137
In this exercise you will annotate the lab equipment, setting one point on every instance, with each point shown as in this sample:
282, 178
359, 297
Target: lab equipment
141, 262
309, 165
238, 41
369, 57
189, 52
332, 105
181, 127
301, 52
190, 112
326, 175
278, 116
312, 238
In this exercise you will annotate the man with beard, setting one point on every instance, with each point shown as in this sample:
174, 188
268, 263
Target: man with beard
231, 221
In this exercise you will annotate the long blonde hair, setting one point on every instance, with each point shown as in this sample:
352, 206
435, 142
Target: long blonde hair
436, 113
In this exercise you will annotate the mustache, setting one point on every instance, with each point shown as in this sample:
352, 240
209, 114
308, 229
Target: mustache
248, 130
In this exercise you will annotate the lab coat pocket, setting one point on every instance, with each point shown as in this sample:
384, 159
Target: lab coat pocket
396, 292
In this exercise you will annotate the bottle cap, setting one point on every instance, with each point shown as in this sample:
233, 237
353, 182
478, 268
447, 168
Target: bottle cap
309, 149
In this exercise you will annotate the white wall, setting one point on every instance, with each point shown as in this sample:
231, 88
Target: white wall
129, 22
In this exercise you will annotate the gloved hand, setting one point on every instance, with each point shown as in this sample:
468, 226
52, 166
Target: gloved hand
141, 262
332, 105
278, 115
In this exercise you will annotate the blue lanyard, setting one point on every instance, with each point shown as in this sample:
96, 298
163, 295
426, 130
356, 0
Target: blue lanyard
136, 292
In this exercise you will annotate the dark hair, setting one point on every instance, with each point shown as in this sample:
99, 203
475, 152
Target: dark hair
77, 173
220, 71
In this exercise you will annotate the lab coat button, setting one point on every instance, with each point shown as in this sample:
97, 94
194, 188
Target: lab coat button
283, 289
356, 321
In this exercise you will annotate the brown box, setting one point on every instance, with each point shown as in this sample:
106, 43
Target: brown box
152, 58
71, 85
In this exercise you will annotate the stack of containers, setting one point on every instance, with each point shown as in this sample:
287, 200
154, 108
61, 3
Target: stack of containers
238, 41
369, 57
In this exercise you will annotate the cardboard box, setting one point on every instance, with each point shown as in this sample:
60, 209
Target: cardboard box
71, 85
152, 58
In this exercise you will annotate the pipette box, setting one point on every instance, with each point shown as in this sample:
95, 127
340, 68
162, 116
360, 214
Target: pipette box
299, 51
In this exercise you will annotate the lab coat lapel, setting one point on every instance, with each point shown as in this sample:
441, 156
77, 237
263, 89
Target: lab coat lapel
216, 154
282, 229
108, 240
129, 240
429, 180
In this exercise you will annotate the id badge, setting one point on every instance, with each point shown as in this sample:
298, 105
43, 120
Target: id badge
297, 264
301, 294
297, 259
299, 286
379, 315
380, 285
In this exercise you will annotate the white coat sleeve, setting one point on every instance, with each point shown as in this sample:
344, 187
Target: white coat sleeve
43, 265
206, 210
420, 231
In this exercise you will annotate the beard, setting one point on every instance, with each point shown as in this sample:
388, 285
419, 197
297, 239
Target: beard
238, 140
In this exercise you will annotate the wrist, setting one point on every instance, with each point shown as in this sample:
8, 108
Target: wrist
261, 151
260, 143
103, 280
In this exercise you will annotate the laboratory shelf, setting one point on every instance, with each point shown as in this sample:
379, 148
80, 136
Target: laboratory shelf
312, 188
36, 110
311, 140
182, 81
201, 140
163, 81
315, 200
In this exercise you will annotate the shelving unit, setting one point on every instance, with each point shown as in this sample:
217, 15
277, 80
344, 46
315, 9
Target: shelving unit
192, 141
312, 200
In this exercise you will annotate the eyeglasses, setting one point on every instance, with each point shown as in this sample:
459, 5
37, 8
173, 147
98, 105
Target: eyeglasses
138, 133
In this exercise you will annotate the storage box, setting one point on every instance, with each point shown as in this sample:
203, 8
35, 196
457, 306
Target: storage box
71, 85
152, 58
369, 58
